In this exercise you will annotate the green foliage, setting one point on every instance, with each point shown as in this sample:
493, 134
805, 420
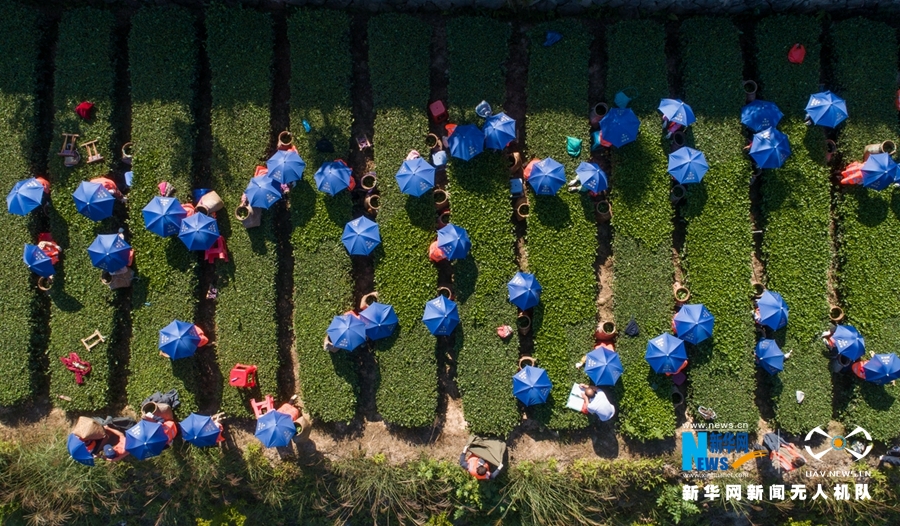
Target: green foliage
671, 501
320, 94
163, 68
869, 221
81, 304
642, 223
562, 234
797, 210
18, 61
718, 242
404, 276
239, 44
479, 197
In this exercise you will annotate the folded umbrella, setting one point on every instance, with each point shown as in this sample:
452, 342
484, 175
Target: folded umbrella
773, 311
665, 353
199, 430
524, 290
499, 130
380, 320
25, 196
619, 126
547, 177
466, 142
454, 242
38, 261
441, 316
848, 342
79, 451
275, 429
688, 165
146, 439
332, 177
879, 171
693, 323
531, 385
770, 148
603, 367
109, 252
592, 177
286, 166
361, 236
93, 201
179, 339
199, 232
415, 177
760, 114
677, 111
769, 356
826, 109
163, 216
347, 332
882, 369
262, 191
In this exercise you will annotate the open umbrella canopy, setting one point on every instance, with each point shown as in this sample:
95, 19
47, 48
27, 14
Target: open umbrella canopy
769, 148
93, 201
441, 316
163, 216
769, 356
677, 111
773, 311
286, 166
826, 109
79, 451
415, 177
619, 126
199, 231
688, 165
592, 177
38, 261
347, 332
879, 171
882, 369
466, 142
454, 242
145, 439
361, 236
531, 385
199, 430
760, 114
109, 252
332, 177
499, 130
603, 366
665, 353
524, 290
547, 177
380, 320
693, 323
262, 192
25, 196
275, 429
179, 339
848, 342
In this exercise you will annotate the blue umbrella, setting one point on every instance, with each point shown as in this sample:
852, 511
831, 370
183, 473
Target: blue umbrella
499, 130
441, 316
826, 109
665, 353
109, 252
760, 114
79, 450
603, 367
879, 171
770, 148
93, 201
179, 339
163, 216
347, 332
619, 126
769, 356
454, 242
199, 430
688, 165
286, 166
25, 196
882, 369
773, 311
693, 323
592, 177
380, 320
199, 232
547, 177
531, 385
415, 177
677, 111
332, 177
145, 439
524, 290
261, 191
38, 261
361, 236
848, 342
275, 429
466, 142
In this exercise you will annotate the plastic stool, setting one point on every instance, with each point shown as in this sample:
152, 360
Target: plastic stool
217, 251
261, 408
243, 376
438, 111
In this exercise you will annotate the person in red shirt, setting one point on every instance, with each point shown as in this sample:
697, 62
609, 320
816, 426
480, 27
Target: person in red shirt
477, 466
858, 370
171, 430
109, 184
115, 452
435, 254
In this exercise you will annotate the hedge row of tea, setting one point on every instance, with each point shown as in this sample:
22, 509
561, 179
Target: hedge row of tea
240, 48
479, 198
19, 39
323, 287
404, 277
163, 62
869, 221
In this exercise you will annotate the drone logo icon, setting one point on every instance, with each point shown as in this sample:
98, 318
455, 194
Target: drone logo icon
839, 443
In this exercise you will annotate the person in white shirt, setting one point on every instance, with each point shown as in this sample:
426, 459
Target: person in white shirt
596, 402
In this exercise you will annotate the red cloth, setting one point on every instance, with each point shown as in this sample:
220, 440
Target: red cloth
85, 109
797, 54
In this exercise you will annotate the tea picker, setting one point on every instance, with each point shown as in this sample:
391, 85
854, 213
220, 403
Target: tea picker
483, 458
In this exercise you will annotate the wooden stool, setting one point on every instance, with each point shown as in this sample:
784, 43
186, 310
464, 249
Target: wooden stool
93, 155
68, 146
93, 340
